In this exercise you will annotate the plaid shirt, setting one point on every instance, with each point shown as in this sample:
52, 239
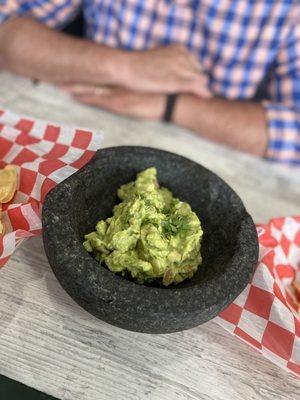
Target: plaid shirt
236, 41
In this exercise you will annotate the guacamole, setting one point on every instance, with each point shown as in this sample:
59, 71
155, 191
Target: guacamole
151, 235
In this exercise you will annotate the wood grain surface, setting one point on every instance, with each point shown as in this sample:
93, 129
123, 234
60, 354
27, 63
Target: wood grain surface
48, 342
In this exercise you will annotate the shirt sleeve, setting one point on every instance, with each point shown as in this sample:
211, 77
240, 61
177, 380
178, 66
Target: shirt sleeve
283, 110
53, 13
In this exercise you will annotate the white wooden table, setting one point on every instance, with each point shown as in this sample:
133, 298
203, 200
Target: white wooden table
48, 342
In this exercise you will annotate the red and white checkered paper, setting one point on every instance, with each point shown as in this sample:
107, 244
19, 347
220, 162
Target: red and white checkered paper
264, 315
44, 154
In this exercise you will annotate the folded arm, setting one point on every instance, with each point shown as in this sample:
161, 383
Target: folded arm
271, 128
29, 48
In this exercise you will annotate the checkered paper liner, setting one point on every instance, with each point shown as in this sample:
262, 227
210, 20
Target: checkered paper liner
264, 315
44, 154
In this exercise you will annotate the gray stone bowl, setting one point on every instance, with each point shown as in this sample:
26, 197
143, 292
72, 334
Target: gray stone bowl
229, 247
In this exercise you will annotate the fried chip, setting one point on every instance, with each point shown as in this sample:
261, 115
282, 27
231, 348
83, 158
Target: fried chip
2, 228
8, 183
296, 285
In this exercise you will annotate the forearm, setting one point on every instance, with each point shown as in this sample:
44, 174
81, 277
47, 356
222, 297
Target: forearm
238, 124
31, 49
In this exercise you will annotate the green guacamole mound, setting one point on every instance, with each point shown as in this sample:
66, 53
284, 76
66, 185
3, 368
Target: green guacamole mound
151, 235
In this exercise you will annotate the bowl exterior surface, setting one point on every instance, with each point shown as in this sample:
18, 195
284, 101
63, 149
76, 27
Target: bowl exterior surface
229, 247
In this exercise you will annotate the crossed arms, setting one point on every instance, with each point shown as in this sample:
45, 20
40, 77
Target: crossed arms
132, 83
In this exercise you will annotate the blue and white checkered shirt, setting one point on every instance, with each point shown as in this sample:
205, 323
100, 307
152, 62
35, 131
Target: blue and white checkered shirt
236, 41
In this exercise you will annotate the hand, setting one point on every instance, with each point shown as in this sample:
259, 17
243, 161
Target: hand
170, 69
120, 101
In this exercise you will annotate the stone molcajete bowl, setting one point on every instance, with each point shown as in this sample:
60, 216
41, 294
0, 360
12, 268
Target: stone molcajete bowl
229, 247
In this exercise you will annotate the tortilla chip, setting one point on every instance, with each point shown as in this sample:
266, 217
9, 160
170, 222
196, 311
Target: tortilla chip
2, 228
8, 183
296, 285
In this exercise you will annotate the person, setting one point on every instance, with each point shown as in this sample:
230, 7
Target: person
198, 63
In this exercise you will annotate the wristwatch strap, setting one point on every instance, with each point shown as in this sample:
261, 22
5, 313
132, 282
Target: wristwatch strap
170, 105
